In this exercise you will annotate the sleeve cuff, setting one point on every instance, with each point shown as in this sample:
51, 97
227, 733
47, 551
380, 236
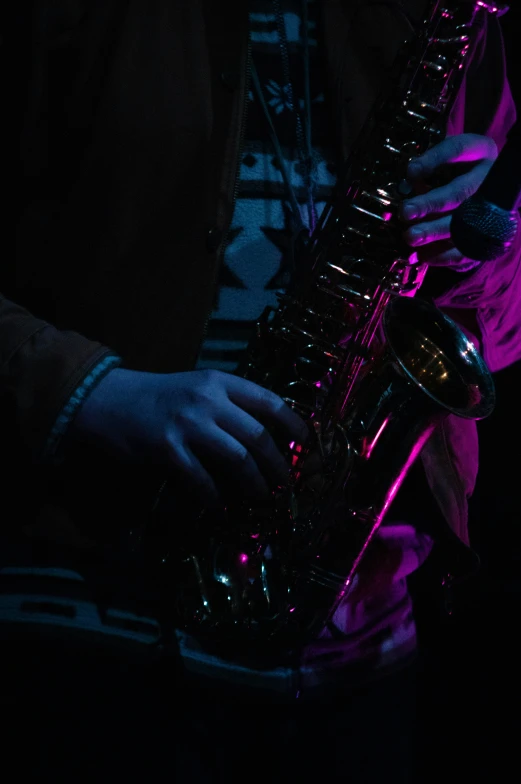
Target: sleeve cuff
51, 450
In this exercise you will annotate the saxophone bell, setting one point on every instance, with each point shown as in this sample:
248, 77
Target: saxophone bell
427, 370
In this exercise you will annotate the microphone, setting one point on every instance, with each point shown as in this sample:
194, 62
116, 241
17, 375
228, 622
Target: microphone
484, 227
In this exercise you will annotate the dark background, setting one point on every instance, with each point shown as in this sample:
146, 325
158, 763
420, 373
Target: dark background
470, 717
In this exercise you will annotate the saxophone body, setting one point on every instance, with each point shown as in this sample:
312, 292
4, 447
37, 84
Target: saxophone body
370, 367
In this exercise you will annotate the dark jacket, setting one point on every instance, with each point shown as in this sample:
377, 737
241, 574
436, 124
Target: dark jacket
127, 117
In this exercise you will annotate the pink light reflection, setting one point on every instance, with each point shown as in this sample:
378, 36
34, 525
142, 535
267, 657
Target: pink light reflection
405, 470
297, 450
351, 578
373, 443
243, 558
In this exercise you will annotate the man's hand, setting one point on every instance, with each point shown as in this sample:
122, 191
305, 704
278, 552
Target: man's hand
211, 430
429, 211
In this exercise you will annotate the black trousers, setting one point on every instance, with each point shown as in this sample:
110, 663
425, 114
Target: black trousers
364, 737
69, 717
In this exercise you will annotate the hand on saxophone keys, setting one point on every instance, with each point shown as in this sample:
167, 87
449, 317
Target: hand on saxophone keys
215, 434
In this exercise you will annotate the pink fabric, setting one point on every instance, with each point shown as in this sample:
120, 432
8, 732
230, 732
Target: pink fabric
493, 291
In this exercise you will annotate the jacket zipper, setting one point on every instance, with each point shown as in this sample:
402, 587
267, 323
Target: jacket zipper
240, 147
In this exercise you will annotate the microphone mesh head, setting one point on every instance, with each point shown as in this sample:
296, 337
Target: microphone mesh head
482, 231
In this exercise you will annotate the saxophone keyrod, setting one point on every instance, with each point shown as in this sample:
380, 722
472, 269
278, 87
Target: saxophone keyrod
435, 66
360, 233
417, 115
331, 293
385, 201
460, 39
384, 219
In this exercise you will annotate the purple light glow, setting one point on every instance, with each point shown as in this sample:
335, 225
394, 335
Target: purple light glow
243, 558
378, 519
368, 452
405, 470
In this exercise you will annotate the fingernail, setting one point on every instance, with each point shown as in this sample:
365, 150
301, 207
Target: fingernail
405, 188
409, 211
413, 259
415, 235
414, 169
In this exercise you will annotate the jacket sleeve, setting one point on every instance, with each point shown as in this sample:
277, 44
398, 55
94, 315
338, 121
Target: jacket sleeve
44, 375
488, 301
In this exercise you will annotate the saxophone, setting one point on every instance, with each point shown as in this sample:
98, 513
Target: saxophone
371, 369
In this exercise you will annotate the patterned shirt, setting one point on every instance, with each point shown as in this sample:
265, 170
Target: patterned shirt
257, 258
